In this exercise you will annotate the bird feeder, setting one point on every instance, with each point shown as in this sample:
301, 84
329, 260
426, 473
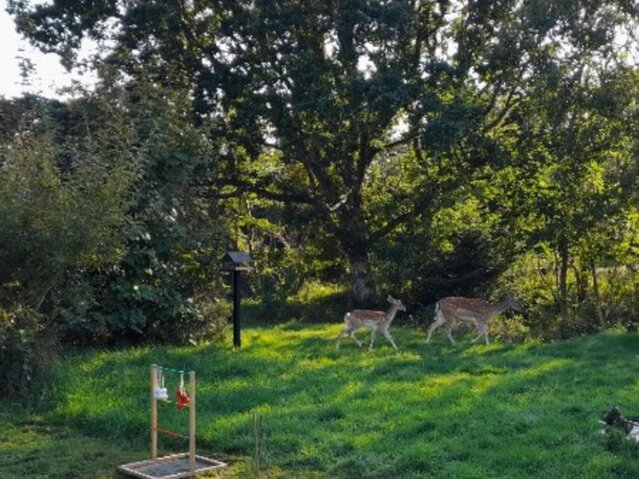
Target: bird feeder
174, 466
236, 262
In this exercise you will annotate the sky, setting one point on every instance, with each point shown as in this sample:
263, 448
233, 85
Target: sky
49, 76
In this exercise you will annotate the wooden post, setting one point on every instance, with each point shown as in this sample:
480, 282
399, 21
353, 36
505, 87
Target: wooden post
154, 412
237, 304
192, 423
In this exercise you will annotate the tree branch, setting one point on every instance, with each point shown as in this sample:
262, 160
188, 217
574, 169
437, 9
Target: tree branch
402, 218
262, 190
511, 103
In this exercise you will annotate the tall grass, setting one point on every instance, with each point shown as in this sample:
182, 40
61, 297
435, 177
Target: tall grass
428, 411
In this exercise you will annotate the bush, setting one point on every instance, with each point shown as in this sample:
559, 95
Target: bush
203, 318
533, 279
509, 329
86, 311
316, 301
24, 349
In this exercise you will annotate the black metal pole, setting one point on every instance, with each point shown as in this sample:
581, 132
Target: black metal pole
237, 329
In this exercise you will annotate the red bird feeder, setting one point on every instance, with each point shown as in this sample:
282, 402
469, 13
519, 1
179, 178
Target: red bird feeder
182, 399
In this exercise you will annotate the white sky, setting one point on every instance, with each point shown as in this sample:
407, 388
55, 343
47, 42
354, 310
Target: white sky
49, 76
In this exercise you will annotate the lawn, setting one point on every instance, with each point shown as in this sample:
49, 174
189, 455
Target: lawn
428, 411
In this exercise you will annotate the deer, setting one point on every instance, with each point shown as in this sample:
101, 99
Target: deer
448, 311
378, 321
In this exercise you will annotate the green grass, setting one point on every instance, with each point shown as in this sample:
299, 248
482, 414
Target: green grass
428, 411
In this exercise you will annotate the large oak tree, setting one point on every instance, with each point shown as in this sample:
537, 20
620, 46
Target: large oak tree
332, 86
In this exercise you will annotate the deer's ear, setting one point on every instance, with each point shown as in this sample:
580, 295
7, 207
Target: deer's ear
389, 298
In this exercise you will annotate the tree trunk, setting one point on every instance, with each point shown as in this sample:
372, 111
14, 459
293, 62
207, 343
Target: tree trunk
563, 278
363, 283
354, 236
581, 281
595, 289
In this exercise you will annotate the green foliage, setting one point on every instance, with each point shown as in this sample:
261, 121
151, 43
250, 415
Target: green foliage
509, 329
25, 349
168, 275
534, 277
54, 221
456, 250
313, 302
107, 230
333, 88
422, 148
316, 302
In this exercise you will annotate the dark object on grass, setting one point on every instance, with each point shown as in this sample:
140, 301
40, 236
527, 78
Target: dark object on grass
613, 418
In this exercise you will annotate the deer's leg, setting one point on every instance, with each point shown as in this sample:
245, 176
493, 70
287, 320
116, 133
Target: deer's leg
354, 338
450, 325
449, 332
348, 330
483, 331
440, 320
478, 328
388, 336
373, 336
339, 338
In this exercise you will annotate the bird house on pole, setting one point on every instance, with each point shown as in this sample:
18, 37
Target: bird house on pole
236, 262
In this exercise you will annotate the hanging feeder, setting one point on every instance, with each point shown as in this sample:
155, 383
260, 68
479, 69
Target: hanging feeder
175, 466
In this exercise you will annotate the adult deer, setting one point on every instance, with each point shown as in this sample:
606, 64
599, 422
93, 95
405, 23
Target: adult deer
378, 321
448, 311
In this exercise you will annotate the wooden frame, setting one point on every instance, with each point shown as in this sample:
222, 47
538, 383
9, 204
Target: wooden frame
141, 468
174, 466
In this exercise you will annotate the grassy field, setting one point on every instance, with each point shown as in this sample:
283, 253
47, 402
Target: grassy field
427, 411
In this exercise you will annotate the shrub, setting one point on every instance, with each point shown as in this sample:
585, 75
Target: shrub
509, 329
316, 301
24, 349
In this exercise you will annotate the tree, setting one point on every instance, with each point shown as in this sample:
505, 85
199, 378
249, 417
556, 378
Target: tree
569, 184
167, 282
333, 86
53, 222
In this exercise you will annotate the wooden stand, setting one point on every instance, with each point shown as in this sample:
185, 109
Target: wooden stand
177, 465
